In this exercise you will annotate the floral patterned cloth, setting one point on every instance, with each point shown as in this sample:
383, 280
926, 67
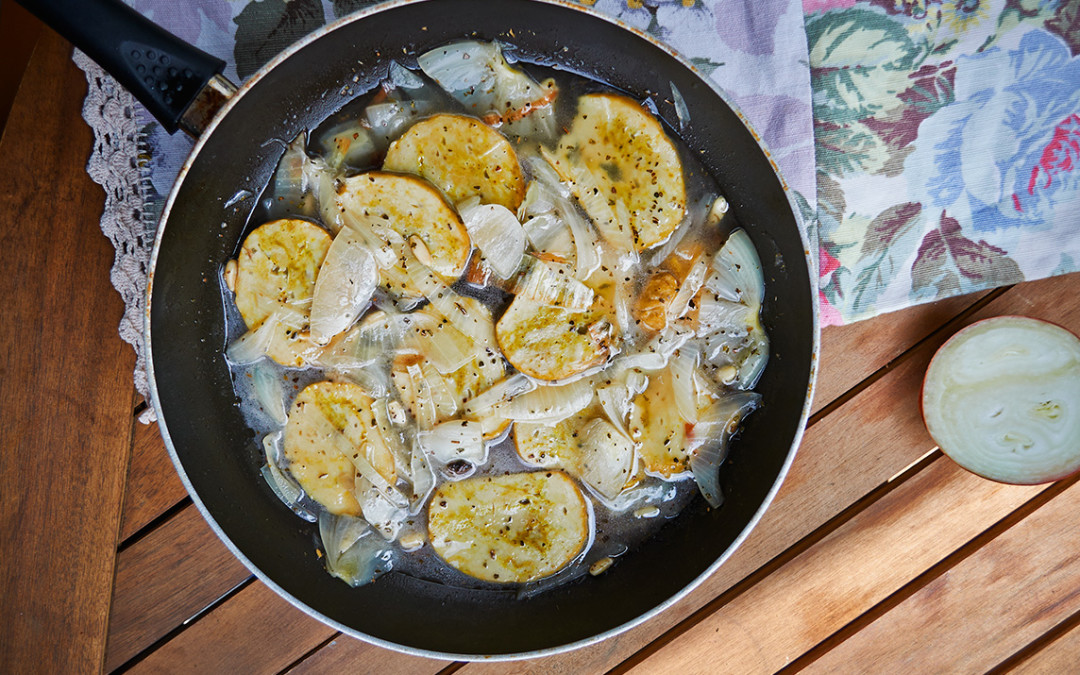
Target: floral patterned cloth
931, 143
947, 135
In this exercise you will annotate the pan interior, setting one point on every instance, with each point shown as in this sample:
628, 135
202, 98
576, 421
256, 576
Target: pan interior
220, 456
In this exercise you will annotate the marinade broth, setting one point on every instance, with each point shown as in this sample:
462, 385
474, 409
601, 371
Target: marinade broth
614, 533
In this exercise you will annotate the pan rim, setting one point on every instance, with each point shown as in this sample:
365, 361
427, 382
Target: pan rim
204, 138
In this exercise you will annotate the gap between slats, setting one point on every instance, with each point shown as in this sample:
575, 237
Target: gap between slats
716, 603
187, 623
934, 572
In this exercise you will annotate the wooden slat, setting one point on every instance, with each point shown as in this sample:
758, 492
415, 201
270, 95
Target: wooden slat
66, 382
164, 579
833, 469
990, 605
153, 485
859, 565
1060, 656
851, 353
256, 631
347, 655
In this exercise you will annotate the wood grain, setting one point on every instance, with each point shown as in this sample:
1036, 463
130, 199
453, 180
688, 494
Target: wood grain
832, 470
65, 382
347, 655
152, 485
1000, 598
859, 565
1060, 656
164, 579
852, 353
256, 631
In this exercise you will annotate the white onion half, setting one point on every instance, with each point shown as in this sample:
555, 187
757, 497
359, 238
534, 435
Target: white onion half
1002, 399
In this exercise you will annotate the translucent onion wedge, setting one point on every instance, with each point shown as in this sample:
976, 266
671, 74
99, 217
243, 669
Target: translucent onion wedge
495, 230
477, 75
454, 440
252, 345
617, 392
683, 366
546, 286
269, 392
284, 487
1002, 399
710, 438
423, 479
737, 274
503, 390
586, 240
383, 516
354, 553
347, 279
549, 403
348, 144
605, 460
438, 340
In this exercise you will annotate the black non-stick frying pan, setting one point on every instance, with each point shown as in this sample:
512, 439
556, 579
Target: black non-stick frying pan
218, 456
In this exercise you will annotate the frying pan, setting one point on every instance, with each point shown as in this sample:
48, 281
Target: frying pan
216, 454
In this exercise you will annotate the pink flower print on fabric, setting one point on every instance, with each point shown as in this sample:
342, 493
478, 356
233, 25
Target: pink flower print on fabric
1060, 156
827, 264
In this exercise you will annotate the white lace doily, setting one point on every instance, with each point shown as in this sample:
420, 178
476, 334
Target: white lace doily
114, 165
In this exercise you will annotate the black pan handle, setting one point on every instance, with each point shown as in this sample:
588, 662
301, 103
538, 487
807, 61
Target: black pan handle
162, 71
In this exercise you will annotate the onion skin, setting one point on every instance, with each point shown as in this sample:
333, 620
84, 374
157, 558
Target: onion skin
930, 408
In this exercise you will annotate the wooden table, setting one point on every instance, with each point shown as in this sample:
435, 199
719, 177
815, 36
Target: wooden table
878, 554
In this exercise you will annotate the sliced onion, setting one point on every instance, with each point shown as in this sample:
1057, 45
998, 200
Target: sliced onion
290, 179
497, 233
546, 286
383, 516
343, 287
478, 77
252, 345
354, 553
689, 287
348, 144
605, 460
549, 403
737, 274
546, 232
439, 341
379, 333
422, 477
503, 390
468, 317
432, 398
286, 489
681, 111
269, 392
710, 440
1002, 399
454, 440
586, 241
683, 367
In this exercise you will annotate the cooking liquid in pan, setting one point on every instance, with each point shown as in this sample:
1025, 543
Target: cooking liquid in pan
643, 508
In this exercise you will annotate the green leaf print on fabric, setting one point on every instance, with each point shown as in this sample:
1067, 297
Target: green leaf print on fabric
346, 7
859, 61
889, 240
948, 263
266, 27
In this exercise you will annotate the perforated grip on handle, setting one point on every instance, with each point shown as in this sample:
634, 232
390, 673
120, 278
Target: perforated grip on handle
162, 71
